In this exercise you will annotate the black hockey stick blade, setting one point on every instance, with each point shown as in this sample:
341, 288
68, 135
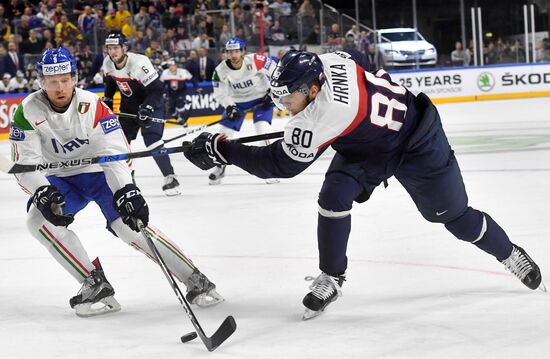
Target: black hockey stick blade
225, 330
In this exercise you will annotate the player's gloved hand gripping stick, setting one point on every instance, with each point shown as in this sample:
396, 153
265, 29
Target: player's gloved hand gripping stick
8, 166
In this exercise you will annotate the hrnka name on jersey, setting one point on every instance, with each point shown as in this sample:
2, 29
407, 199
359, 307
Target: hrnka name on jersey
340, 83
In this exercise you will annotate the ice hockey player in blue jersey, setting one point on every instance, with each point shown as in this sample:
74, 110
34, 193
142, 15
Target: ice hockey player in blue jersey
241, 84
141, 94
378, 129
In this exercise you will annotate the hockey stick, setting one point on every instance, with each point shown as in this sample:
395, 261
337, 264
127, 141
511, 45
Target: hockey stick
203, 127
9, 166
225, 330
154, 119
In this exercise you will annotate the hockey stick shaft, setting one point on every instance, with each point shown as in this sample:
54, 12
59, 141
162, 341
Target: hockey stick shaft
198, 129
154, 119
8, 166
208, 342
203, 127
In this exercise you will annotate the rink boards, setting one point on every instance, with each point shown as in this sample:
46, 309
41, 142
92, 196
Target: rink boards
442, 85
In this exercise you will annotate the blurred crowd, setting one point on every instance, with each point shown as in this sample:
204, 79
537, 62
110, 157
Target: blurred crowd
501, 52
191, 32
161, 29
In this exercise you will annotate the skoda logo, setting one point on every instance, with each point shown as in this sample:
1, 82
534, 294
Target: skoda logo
485, 81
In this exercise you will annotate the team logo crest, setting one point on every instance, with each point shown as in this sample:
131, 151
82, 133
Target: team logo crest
83, 107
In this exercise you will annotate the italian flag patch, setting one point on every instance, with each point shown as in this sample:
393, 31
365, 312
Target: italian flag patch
83, 107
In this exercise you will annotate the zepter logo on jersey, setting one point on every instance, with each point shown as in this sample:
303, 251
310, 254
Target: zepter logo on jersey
56, 69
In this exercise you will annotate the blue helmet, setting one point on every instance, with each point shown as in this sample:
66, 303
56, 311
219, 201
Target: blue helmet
116, 38
235, 43
55, 62
295, 71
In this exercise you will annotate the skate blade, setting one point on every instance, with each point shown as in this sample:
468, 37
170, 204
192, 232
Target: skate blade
215, 182
86, 310
542, 287
272, 180
310, 314
172, 192
208, 299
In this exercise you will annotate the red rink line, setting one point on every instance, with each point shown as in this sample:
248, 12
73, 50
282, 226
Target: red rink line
400, 263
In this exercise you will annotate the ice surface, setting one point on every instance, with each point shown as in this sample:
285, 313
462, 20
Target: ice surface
413, 291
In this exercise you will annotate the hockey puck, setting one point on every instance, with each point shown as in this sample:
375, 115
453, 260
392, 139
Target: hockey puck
188, 337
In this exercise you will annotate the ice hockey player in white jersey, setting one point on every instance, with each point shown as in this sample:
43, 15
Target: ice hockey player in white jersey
241, 84
61, 123
175, 82
141, 94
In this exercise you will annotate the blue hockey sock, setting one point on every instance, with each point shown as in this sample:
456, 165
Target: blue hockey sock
332, 239
481, 230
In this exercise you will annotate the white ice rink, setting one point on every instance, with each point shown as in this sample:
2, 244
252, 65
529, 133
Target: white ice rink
413, 291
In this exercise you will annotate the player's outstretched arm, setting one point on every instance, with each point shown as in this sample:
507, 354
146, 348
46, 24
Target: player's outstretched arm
208, 150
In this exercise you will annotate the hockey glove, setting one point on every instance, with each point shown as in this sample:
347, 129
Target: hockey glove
131, 206
145, 113
108, 101
204, 151
267, 102
50, 203
233, 113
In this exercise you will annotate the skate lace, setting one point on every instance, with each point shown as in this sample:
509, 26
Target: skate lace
169, 179
197, 282
518, 264
324, 285
87, 287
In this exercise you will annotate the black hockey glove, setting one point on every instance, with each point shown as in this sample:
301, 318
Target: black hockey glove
50, 203
145, 113
204, 151
108, 101
267, 102
233, 113
131, 205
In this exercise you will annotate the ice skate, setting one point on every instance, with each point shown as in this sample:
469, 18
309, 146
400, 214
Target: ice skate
216, 176
201, 291
324, 290
171, 186
523, 267
181, 117
96, 296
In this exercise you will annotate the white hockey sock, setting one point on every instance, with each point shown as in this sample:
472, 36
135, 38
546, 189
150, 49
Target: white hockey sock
62, 243
178, 263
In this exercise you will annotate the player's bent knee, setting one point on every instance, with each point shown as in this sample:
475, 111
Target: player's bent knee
124, 232
338, 192
470, 226
35, 220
